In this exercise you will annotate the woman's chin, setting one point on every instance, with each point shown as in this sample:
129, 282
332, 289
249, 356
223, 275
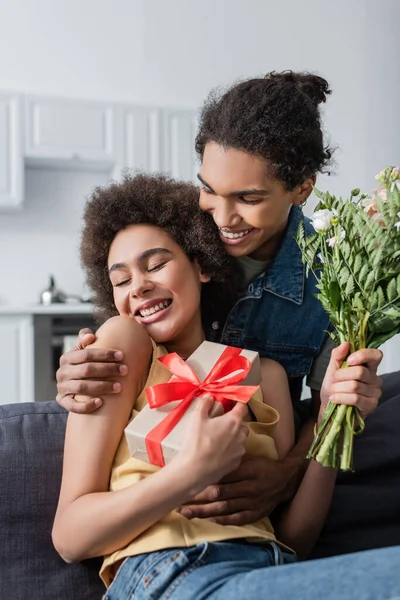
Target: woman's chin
159, 333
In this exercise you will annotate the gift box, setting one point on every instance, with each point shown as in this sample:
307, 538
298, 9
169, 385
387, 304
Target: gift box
229, 374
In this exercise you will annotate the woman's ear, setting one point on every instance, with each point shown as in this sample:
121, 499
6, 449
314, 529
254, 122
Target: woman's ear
204, 278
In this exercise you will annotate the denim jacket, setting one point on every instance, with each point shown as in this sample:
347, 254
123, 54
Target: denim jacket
278, 314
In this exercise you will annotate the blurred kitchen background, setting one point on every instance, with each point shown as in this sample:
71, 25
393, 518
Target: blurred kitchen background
90, 87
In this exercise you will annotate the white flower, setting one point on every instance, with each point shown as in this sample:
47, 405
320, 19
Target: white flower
369, 205
381, 176
397, 225
321, 220
382, 193
336, 239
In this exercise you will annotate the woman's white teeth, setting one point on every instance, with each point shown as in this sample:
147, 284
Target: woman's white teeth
150, 311
234, 236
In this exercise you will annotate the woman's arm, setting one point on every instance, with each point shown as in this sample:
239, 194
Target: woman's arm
91, 520
275, 390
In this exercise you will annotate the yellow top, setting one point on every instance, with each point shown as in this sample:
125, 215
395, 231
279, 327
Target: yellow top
174, 530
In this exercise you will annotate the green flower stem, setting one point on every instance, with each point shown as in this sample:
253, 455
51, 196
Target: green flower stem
324, 425
346, 459
334, 431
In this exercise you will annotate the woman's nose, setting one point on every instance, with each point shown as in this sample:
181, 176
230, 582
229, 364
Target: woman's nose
140, 286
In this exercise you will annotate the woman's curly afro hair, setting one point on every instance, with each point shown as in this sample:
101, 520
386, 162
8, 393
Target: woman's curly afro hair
171, 205
276, 117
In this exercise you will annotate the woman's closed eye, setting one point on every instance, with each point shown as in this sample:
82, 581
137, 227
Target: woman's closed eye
157, 267
121, 283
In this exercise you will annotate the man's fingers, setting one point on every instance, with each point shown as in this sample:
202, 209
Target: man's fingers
243, 517
225, 492
358, 373
353, 387
213, 510
372, 357
247, 471
82, 408
88, 387
76, 357
85, 339
97, 370
365, 404
338, 356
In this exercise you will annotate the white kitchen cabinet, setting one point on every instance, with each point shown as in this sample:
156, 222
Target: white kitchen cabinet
16, 359
11, 152
65, 130
179, 132
141, 139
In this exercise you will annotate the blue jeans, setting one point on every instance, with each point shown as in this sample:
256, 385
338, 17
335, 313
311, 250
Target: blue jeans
237, 571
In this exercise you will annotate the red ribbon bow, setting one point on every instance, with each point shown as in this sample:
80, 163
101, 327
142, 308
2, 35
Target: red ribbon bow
221, 382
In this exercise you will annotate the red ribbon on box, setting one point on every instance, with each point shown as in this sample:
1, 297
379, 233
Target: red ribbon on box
221, 382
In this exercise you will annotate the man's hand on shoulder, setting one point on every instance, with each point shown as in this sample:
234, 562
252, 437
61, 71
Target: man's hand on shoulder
88, 371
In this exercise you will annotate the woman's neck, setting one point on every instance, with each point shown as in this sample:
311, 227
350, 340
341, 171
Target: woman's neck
188, 341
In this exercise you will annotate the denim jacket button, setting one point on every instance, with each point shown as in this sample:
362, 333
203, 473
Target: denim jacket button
250, 289
215, 325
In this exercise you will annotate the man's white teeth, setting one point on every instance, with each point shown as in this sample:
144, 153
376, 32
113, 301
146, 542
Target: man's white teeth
234, 236
150, 311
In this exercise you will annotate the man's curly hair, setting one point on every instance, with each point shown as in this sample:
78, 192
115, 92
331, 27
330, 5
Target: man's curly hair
171, 205
276, 117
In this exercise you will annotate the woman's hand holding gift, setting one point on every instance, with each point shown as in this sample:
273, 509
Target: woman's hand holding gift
214, 446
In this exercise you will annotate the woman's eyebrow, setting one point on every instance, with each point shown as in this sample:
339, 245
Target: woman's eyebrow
152, 251
143, 256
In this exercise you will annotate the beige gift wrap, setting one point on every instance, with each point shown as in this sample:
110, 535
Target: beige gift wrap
220, 368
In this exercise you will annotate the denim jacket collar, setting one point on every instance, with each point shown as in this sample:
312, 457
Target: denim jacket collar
288, 261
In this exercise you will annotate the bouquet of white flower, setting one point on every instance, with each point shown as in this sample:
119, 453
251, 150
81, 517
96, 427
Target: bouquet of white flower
355, 256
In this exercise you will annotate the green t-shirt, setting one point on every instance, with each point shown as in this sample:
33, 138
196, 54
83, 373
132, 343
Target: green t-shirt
252, 268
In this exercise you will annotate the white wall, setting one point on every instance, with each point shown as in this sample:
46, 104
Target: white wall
172, 53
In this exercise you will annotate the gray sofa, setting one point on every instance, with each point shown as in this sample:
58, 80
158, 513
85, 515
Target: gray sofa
364, 514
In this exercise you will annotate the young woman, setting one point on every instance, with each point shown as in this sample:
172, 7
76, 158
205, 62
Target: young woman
152, 259
261, 147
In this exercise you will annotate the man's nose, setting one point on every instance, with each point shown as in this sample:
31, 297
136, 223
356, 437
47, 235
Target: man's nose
224, 214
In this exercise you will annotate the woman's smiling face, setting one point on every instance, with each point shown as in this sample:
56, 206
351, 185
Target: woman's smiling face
250, 208
155, 283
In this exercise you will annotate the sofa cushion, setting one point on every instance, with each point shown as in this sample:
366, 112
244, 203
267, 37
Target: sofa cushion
31, 449
365, 511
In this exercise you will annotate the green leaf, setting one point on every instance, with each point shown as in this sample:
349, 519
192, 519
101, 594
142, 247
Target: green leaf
349, 286
391, 290
363, 274
334, 294
357, 264
370, 280
319, 194
357, 301
381, 296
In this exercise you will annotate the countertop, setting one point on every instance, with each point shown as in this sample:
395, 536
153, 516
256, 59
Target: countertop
65, 308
